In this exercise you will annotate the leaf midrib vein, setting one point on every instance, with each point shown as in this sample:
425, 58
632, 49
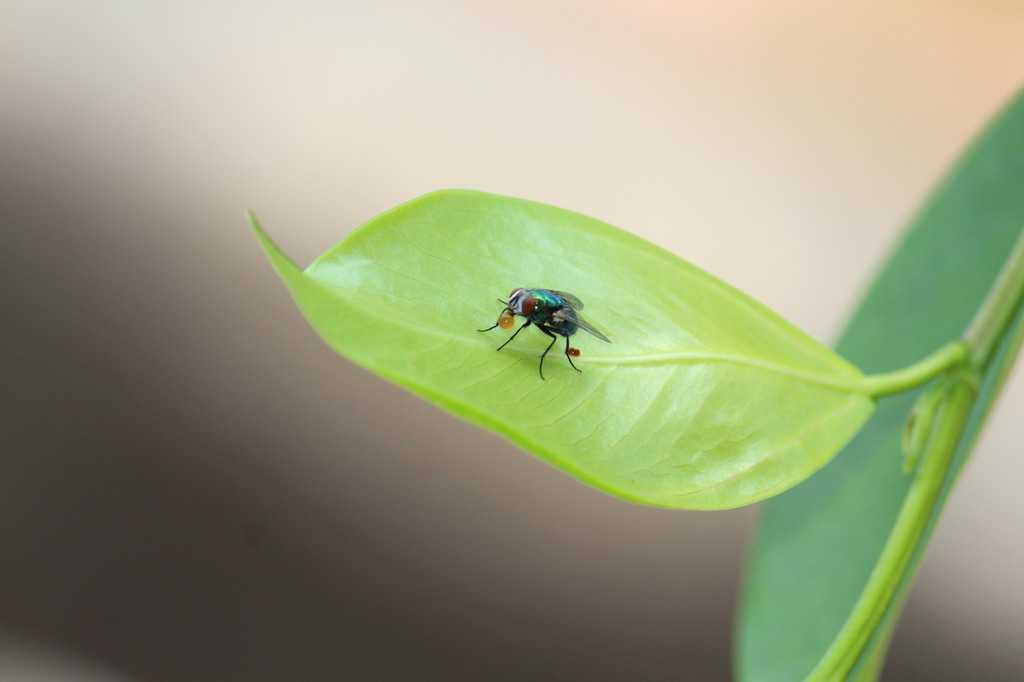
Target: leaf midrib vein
843, 384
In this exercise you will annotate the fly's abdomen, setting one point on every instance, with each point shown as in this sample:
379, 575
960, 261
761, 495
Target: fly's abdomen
563, 321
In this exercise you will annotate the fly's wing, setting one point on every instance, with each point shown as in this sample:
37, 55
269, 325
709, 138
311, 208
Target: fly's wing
583, 324
568, 298
569, 314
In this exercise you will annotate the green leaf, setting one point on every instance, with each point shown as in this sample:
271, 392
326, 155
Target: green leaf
704, 400
818, 543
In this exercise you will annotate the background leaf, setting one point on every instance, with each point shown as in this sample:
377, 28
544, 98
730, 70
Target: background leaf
818, 542
705, 399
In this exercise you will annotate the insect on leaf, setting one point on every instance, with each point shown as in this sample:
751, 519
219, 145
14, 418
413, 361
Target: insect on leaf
704, 400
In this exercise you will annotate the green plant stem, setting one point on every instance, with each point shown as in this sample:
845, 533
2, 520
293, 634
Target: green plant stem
885, 580
981, 340
948, 356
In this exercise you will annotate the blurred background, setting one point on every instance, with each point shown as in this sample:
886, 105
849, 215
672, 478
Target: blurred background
193, 487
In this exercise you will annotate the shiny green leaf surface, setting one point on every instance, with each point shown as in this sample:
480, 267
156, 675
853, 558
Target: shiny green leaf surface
704, 399
818, 543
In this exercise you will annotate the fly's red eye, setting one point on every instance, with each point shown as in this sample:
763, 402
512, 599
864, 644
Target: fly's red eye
528, 304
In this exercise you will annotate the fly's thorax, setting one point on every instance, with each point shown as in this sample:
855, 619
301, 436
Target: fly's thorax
546, 301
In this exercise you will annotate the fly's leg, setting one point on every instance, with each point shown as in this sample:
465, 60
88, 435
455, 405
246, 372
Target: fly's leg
553, 339
527, 324
569, 357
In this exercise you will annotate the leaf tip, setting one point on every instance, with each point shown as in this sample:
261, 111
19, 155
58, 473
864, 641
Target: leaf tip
284, 266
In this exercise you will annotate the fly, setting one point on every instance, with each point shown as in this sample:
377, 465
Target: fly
553, 312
